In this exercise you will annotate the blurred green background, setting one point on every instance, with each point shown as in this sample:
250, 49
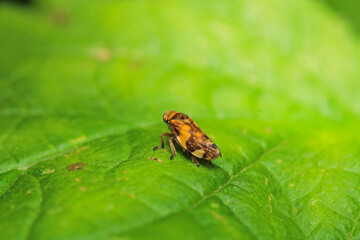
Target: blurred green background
275, 84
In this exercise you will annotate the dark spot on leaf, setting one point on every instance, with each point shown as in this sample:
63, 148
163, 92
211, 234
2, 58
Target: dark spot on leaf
59, 17
75, 166
135, 64
102, 54
156, 159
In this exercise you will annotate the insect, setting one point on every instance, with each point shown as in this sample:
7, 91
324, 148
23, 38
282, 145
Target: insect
189, 136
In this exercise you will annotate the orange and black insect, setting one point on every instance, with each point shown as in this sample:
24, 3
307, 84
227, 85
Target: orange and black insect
189, 136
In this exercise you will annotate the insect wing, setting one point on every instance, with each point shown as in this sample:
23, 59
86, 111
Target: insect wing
191, 137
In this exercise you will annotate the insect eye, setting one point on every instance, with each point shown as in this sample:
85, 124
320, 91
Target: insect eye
180, 116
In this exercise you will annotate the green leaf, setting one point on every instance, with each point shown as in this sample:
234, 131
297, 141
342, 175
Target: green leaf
83, 87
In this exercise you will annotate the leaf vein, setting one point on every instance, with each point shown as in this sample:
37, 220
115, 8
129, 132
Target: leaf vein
240, 172
354, 226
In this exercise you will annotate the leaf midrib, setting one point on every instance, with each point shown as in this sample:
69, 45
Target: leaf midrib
219, 188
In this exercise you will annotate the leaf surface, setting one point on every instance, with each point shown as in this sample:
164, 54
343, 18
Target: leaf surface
83, 87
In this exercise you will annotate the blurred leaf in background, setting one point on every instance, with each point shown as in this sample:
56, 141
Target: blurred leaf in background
84, 84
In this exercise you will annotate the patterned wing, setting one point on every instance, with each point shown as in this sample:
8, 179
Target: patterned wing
191, 138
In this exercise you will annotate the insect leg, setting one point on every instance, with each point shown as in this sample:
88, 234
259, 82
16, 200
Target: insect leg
173, 150
194, 160
162, 140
